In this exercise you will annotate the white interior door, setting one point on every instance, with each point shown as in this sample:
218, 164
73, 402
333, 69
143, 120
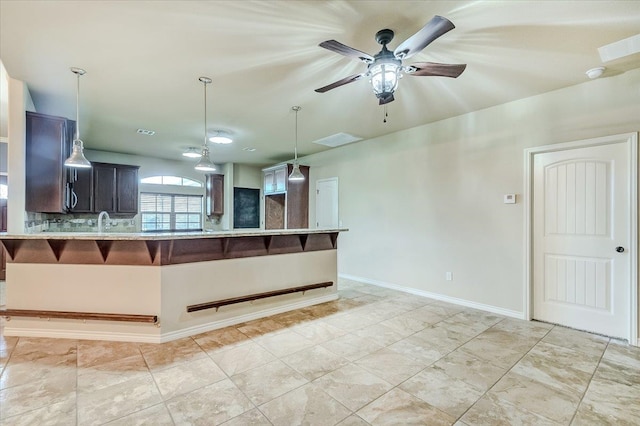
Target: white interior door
327, 203
581, 217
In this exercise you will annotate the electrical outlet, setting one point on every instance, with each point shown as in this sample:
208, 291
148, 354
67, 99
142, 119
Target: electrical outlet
449, 276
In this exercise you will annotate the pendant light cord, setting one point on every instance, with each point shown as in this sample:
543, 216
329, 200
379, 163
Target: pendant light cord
295, 147
78, 107
205, 113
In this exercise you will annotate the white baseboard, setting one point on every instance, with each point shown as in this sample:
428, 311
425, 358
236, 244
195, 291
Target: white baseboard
191, 331
80, 335
442, 297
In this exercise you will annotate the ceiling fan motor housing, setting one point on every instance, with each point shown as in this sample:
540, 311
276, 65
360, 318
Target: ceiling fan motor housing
384, 36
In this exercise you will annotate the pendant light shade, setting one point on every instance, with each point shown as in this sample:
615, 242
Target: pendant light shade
77, 158
296, 174
205, 164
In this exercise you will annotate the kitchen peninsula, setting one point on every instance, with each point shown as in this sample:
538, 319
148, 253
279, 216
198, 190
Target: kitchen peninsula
157, 287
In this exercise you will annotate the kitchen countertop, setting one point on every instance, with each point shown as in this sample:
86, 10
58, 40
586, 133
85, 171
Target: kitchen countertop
158, 236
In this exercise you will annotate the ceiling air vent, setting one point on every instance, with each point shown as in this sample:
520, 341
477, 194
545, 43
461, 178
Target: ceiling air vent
145, 132
337, 140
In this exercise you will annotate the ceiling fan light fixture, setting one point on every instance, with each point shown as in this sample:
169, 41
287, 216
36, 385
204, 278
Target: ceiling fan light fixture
385, 77
192, 152
77, 158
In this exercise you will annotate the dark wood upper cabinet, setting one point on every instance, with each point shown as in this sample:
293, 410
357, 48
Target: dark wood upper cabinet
82, 191
215, 195
126, 189
106, 187
48, 144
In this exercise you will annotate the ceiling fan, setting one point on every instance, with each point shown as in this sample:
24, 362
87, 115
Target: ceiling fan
385, 68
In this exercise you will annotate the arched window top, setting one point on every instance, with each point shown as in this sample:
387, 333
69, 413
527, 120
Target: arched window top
171, 180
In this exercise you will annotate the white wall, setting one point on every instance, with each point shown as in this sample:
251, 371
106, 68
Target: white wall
19, 101
246, 176
428, 200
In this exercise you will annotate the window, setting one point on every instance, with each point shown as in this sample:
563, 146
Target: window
4, 192
166, 212
171, 180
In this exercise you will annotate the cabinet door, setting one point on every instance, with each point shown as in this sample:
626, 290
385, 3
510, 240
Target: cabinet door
82, 198
269, 182
298, 201
47, 146
281, 179
104, 188
215, 195
127, 189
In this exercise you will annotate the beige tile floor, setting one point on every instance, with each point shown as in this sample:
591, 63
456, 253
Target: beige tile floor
375, 357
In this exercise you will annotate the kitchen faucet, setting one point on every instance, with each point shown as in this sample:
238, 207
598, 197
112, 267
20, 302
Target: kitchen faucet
101, 217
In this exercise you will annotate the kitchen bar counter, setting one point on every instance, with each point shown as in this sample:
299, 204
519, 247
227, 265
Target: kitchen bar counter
79, 284
162, 248
152, 236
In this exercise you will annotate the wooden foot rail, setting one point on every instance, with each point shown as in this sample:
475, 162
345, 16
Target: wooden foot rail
153, 319
218, 303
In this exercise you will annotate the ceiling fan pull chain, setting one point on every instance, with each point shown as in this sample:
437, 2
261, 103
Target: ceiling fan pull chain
386, 114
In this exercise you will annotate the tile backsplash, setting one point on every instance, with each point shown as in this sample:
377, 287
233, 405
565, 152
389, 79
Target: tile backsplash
41, 222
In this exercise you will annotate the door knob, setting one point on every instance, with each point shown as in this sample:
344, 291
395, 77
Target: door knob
619, 249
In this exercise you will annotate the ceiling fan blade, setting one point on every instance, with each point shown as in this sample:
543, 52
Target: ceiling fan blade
435, 69
386, 99
336, 46
339, 83
436, 27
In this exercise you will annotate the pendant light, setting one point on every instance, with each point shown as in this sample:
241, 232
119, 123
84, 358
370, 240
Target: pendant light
296, 174
77, 158
205, 164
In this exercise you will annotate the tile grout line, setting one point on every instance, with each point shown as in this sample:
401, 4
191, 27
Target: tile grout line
505, 373
575, 413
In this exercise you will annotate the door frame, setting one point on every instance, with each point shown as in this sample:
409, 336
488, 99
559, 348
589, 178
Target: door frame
331, 179
631, 140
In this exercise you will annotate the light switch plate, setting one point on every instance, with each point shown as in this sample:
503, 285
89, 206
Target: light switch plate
509, 198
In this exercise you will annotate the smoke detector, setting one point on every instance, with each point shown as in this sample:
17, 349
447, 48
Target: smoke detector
595, 72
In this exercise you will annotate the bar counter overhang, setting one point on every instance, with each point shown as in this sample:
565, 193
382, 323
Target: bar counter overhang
157, 287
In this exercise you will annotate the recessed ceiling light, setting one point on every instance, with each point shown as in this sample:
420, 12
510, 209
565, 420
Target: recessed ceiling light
146, 132
248, 149
192, 152
220, 136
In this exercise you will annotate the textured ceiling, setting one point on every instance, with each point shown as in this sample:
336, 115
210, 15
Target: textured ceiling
143, 60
